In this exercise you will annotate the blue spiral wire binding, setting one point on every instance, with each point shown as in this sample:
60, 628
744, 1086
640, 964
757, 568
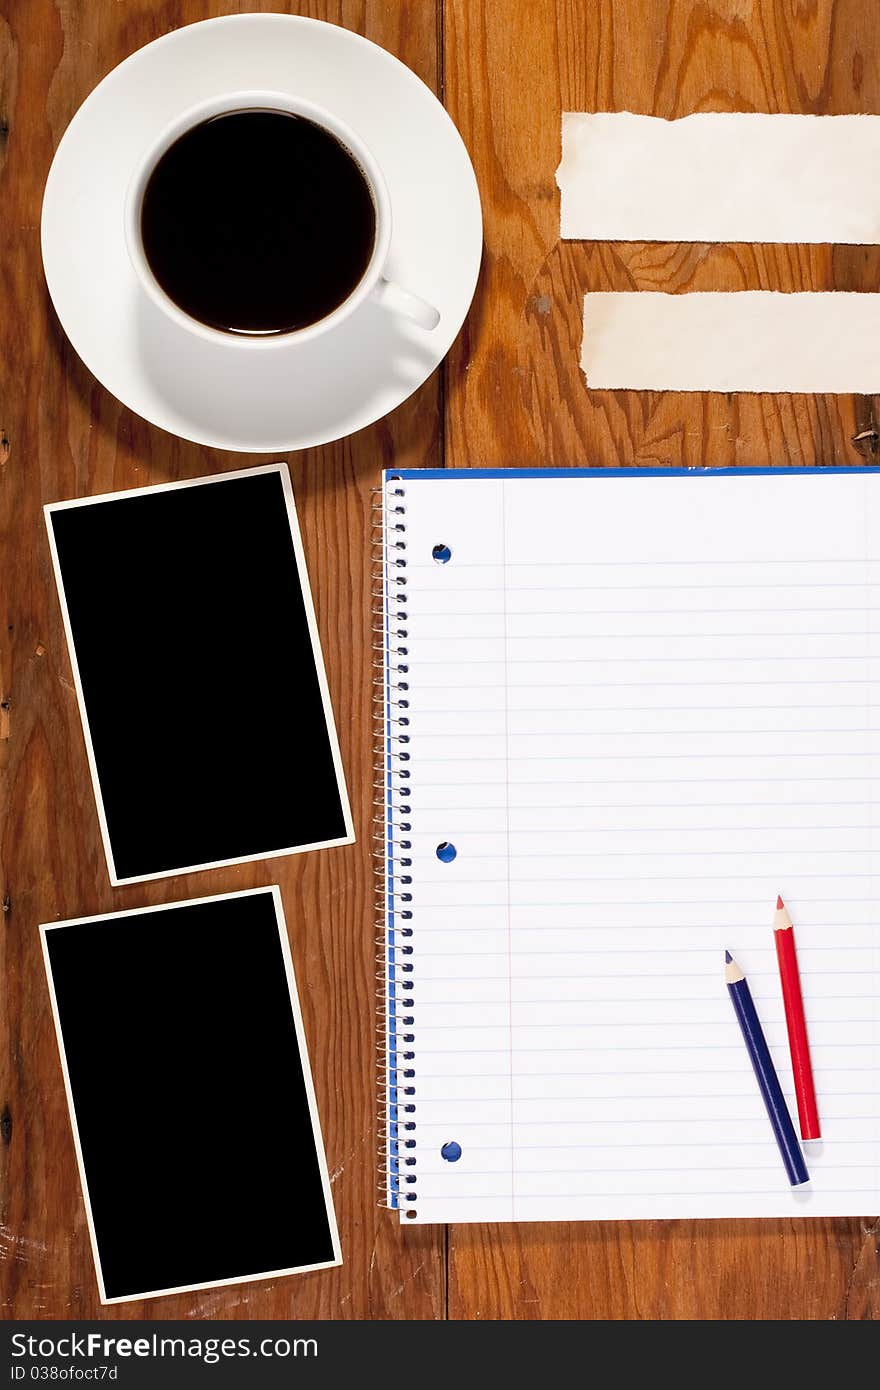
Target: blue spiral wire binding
396, 1061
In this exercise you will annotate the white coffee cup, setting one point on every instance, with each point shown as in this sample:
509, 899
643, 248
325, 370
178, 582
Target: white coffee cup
372, 284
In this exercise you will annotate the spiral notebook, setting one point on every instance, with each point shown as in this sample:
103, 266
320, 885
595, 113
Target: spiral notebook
622, 710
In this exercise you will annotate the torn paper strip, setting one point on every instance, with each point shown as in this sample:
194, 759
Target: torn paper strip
753, 340
720, 177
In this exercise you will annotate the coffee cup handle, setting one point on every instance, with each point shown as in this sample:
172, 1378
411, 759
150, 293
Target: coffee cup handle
401, 301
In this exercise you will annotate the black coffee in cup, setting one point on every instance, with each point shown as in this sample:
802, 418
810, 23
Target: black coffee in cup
258, 222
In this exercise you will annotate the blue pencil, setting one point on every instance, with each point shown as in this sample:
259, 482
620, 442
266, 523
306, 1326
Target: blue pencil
768, 1081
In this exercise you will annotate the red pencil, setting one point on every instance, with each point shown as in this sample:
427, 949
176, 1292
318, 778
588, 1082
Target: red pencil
798, 1044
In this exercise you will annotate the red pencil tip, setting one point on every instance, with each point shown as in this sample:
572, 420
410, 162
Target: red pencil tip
779, 904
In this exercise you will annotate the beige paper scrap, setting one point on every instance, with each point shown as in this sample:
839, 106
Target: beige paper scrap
753, 340
720, 176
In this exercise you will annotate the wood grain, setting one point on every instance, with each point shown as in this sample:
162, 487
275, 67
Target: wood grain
68, 437
516, 397
510, 71
510, 394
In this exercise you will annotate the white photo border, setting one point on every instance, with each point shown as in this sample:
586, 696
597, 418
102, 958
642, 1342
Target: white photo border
317, 1136
284, 473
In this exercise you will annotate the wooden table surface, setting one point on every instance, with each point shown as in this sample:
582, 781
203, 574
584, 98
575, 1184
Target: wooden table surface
510, 393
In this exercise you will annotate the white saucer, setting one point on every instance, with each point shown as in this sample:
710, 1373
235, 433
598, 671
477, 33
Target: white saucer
297, 396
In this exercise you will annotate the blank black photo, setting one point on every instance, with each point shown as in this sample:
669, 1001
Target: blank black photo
190, 1095
205, 707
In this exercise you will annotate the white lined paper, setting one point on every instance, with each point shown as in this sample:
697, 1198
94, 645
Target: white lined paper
632, 761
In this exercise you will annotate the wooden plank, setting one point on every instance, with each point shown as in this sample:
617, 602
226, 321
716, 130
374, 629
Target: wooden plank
68, 437
515, 396
516, 393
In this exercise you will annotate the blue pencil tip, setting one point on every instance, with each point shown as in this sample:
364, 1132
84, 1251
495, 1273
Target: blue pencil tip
727, 957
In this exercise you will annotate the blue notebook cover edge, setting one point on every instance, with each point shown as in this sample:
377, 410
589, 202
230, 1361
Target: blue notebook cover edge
410, 474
